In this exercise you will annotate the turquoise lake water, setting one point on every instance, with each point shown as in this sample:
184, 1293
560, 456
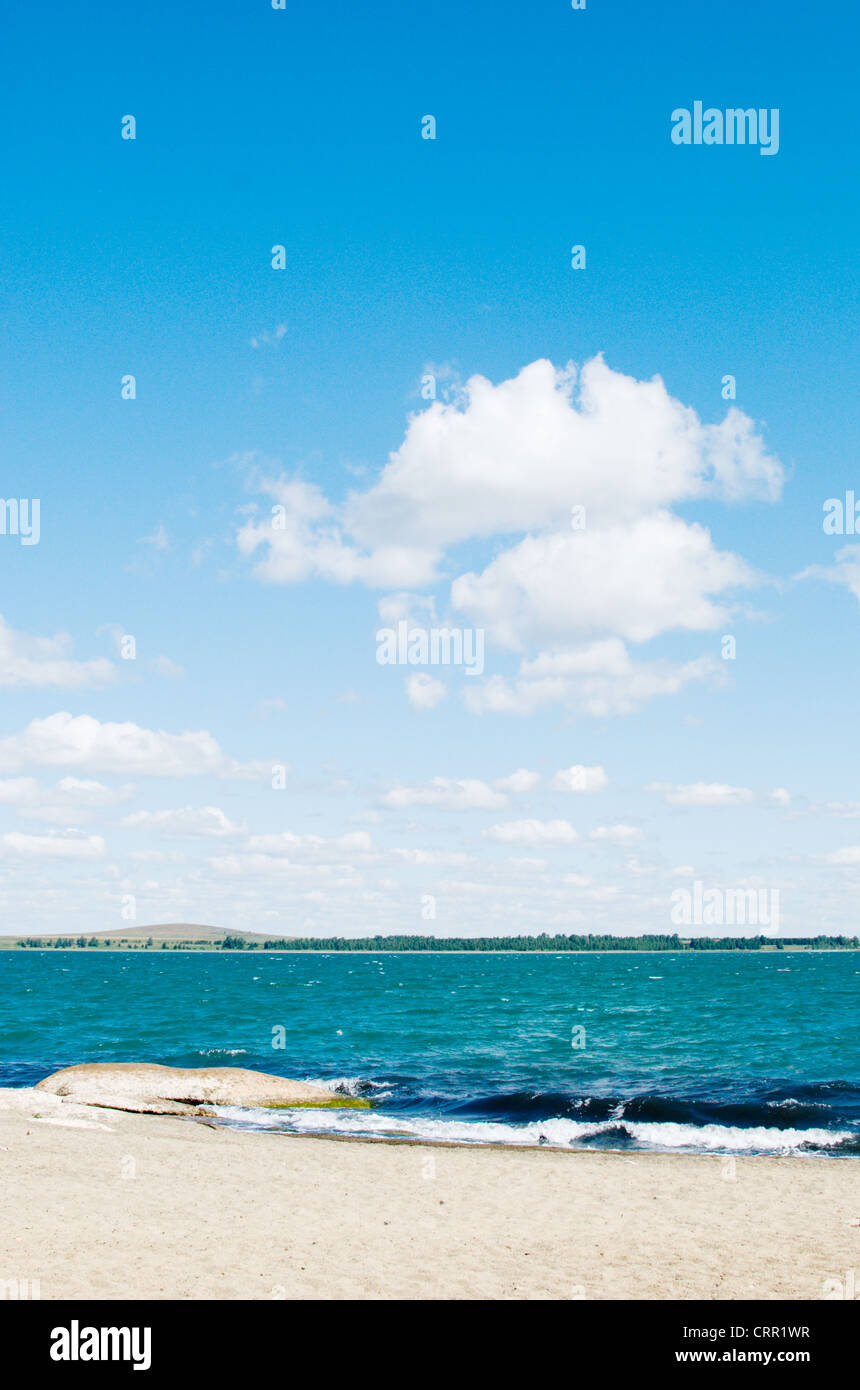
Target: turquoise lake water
729, 1052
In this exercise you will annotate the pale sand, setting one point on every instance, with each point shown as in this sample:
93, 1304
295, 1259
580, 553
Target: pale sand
105, 1204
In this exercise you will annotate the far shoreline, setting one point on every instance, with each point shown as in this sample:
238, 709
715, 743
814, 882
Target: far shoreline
208, 937
531, 954
381, 951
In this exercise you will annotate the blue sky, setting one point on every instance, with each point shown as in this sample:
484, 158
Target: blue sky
301, 388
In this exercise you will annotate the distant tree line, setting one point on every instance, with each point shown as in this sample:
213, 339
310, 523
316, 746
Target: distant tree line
64, 943
534, 943
555, 944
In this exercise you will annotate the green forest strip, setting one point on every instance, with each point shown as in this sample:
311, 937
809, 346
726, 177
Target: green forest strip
553, 944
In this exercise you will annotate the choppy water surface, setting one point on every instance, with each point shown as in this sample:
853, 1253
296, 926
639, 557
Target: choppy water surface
729, 1052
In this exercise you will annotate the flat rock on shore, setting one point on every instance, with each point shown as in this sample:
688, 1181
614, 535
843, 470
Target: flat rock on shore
148, 1088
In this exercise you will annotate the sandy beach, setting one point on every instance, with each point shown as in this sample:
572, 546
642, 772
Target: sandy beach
99, 1203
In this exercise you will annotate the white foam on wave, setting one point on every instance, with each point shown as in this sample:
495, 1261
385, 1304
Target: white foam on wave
357, 1086
559, 1133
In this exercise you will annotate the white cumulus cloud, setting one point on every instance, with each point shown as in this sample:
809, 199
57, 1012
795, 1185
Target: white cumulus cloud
425, 692
185, 821
580, 779
508, 462
599, 679
616, 834
47, 661
846, 857
68, 846
80, 741
702, 794
447, 794
534, 832
520, 781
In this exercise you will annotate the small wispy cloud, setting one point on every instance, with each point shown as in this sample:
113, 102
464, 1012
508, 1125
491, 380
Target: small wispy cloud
158, 540
268, 339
